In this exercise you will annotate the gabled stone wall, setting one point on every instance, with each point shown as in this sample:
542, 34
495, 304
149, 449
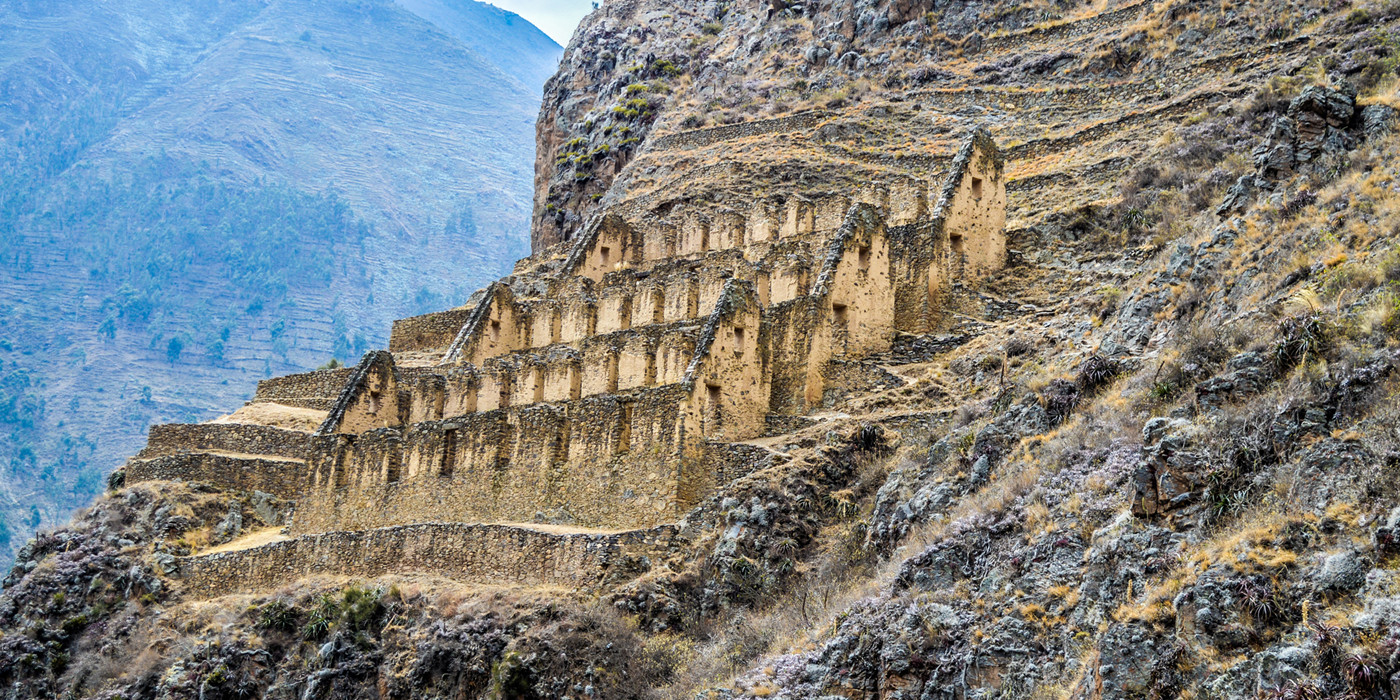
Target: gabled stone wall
607, 385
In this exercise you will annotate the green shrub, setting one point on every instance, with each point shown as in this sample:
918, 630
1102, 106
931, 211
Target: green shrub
665, 67
277, 615
362, 607
324, 613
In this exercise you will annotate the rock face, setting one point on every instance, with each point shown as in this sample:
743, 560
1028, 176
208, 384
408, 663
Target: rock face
1321, 123
809, 390
638, 72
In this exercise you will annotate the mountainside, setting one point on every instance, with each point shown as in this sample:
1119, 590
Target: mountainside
865, 349
197, 195
508, 42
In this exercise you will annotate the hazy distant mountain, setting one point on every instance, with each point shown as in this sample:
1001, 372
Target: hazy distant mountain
190, 187
503, 38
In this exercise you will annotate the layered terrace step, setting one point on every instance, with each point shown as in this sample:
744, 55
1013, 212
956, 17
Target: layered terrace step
500, 554
282, 477
226, 438
316, 390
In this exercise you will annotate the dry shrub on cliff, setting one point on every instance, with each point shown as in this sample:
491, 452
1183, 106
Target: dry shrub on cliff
828, 582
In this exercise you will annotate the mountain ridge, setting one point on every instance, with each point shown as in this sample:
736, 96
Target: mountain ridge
102, 103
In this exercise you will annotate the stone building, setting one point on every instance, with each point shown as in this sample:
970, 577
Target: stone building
613, 384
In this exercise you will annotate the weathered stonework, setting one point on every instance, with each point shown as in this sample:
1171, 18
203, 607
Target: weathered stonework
494, 554
230, 438
606, 386
317, 390
283, 478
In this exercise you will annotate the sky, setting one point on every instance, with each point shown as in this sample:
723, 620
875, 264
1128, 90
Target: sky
557, 18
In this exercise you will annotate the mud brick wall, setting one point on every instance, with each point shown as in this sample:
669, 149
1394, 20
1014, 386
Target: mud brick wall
180, 438
285, 479
490, 554
428, 332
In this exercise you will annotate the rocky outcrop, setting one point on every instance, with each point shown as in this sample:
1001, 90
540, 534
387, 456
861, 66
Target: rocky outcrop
1320, 123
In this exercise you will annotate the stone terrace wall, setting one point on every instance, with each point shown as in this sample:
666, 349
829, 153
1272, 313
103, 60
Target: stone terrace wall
285, 479
1040, 36
732, 460
605, 461
308, 390
181, 438
433, 331
700, 138
490, 554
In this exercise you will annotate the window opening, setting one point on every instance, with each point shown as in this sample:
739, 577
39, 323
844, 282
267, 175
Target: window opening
391, 472
838, 315
624, 431
976, 188
449, 453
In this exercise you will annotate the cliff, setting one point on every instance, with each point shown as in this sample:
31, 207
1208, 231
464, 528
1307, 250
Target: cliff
907, 350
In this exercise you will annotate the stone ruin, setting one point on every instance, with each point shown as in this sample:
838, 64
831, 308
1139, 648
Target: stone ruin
577, 409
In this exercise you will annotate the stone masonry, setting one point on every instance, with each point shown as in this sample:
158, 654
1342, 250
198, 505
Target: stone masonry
607, 385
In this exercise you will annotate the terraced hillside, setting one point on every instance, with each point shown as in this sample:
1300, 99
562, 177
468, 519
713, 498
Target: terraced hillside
198, 195
1150, 453
852, 93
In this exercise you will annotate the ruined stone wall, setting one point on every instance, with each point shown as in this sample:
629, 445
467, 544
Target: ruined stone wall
699, 138
605, 247
691, 230
845, 379
963, 239
236, 438
729, 373
732, 460
308, 389
493, 328
848, 312
372, 403
793, 333
492, 554
855, 281
918, 276
433, 331
285, 479
975, 219
601, 461
651, 355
